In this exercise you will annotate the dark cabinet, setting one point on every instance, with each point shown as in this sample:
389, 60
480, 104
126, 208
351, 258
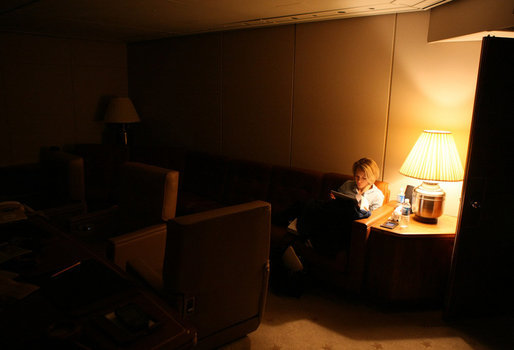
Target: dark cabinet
482, 272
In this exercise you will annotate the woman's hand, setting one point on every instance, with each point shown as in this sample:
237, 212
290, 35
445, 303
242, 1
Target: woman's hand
364, 204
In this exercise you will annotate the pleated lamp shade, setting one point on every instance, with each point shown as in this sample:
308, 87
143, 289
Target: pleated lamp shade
434, 157
121, 111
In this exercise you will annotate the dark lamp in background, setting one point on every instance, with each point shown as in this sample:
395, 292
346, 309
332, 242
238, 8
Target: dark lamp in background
121, 111
433, 158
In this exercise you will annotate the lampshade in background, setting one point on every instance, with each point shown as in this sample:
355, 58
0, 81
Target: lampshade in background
433, 158
121, 111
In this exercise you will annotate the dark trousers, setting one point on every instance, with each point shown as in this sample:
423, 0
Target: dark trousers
328, 224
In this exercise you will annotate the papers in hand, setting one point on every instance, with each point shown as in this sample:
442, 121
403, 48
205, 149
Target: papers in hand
358, 199
342, 195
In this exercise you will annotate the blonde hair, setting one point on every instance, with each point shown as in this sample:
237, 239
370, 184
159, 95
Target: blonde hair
369, 167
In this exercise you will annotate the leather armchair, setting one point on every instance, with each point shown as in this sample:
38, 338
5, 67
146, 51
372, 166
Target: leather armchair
54, 186
102, 165
213, 267
63, 175
146, 196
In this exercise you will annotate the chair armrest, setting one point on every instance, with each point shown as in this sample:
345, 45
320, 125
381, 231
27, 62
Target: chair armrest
147, 244
358, 245
377, 215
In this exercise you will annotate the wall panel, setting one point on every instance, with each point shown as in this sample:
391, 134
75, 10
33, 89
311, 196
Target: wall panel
40, 111
51, 93
93, 86
257, 88
175, 86
99, 72
17, 48
342, 71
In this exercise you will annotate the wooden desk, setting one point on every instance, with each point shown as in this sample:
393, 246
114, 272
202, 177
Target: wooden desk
69, 309
410, 265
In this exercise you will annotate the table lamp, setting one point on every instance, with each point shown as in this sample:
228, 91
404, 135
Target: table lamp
121, 111
433, 158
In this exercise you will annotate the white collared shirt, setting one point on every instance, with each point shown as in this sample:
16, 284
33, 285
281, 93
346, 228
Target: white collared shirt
374, 198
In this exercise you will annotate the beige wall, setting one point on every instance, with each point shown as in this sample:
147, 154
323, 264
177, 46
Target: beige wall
175, 85
341, 89
290, 95
51, 92
433, 87
315, 95
256, 87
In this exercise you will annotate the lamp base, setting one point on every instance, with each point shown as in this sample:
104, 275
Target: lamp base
425, 220
125, 136
117, 134
428, 202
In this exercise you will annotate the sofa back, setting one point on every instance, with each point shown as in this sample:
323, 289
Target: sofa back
290, 186
332, 181
56, 181
205, 174
246, 181
210, 181
169, 157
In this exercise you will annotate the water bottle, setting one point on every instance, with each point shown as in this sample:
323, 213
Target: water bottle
400, 198
405, 214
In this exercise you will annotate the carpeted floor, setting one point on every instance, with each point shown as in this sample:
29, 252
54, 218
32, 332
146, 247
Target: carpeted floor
320, 319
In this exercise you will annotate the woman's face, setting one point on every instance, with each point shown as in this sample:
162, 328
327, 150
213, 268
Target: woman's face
361, 180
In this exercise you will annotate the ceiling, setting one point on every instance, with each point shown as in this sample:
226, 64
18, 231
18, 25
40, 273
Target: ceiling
136, 20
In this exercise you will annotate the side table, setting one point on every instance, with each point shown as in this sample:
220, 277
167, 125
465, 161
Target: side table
410, 265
